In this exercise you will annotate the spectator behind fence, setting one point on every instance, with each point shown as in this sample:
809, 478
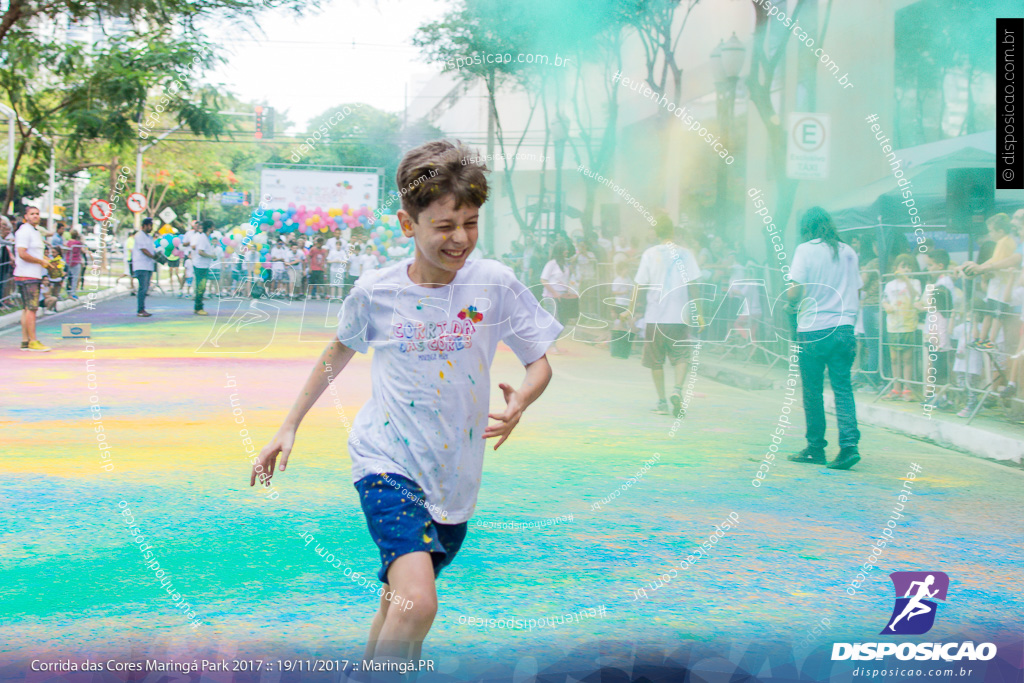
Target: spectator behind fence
6, 259
899, 300
937, 303
826, 280
1000, 285
556, 278
870, 312
967, 368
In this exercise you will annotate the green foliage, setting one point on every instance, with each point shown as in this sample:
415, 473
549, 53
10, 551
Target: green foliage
365, 137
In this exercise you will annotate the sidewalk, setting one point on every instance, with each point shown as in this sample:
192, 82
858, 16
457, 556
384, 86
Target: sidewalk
13, 319
986, 437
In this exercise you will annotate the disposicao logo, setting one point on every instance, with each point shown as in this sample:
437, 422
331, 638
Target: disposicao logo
914, 614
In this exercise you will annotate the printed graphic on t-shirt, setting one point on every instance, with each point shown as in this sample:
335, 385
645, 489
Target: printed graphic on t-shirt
441, 337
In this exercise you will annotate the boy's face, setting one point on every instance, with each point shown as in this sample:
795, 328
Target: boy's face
444, 236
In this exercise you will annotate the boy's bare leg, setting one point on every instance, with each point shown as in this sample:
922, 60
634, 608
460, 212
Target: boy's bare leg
407, 624
378, 623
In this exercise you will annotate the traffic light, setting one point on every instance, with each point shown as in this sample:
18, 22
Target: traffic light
264, 123
246, 198
268, 123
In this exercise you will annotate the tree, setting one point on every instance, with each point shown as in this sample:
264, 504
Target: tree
765, 60
532, 27
77, 95
150, 14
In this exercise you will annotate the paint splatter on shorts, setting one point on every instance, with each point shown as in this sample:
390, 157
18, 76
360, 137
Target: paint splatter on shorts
29, 290
400, 524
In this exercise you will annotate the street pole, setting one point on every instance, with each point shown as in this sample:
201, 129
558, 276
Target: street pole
561, 134
491, 228
49, 191
726, 101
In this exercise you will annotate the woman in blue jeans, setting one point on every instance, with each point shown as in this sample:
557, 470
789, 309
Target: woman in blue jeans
826, 281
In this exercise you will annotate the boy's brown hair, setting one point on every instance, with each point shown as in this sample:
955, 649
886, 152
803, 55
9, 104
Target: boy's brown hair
439, 168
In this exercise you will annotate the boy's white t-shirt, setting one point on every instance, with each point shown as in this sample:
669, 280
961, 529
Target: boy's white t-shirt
430, 375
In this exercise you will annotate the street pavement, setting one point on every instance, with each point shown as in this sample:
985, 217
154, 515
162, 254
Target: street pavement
174, 392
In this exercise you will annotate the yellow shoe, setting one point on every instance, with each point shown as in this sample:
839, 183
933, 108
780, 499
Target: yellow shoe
202, 313
35, 345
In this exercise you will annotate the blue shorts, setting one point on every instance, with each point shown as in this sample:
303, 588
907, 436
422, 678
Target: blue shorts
399, 523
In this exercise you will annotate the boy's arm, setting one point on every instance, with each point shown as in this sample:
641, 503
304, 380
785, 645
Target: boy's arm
335, 357
538, 374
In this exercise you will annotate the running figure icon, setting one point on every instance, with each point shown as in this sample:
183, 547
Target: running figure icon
917, 594
915, 607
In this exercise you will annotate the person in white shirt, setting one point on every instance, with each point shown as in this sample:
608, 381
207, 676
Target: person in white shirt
555, 278
665, 271
826, 281
203, 255
333, 241
294, 266
143, 263
417, 447
278, 270
337, 265
30, 267
368, 260
355, 266
186, 239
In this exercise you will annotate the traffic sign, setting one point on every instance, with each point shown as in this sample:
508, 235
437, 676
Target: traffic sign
100, 209
168, 215
808, 146
136, 202
232, 198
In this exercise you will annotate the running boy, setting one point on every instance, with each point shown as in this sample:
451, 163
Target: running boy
434, 321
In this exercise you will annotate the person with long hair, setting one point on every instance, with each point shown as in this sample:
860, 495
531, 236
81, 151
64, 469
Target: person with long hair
555, 278
826, 280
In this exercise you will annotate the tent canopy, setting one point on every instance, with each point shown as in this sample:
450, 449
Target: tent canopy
927, 182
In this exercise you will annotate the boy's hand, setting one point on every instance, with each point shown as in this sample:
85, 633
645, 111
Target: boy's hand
281, 444
509, 418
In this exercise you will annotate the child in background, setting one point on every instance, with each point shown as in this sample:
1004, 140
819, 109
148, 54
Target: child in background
423, 429
622, 291
938, 296
190, 273
967, 368
55, 274
898, 301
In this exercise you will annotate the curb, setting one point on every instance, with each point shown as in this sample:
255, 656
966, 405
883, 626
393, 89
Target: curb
964, 438
14, 319
959, 437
